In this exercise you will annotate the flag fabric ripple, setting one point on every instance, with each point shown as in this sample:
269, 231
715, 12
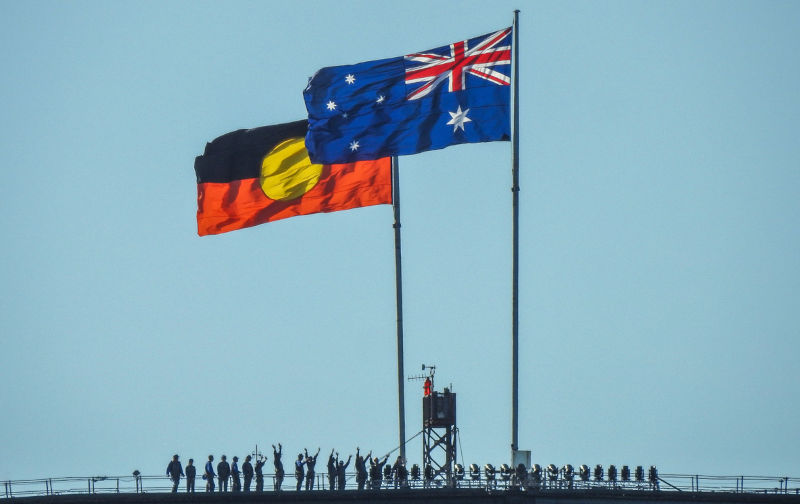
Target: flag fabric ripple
258, 175
458, 93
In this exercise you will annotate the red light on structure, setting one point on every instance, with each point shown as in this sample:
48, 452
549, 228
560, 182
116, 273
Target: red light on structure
427, 387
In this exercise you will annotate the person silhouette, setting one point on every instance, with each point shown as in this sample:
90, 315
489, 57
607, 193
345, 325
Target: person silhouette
332, 470
400, 473
191, 472
209, 474
361, 468
311, 461
247, 470
260, 473
341, 472
236, 483
376, 472
299, 470
175, 471
276, 460
223, 473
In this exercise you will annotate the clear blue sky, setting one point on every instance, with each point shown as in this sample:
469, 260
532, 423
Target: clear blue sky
660, 244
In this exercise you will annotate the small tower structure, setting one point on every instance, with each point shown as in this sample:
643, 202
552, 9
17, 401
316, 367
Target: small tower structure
438, 430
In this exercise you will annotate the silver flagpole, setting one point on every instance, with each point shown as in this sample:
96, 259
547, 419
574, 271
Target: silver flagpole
399, 289
515, 248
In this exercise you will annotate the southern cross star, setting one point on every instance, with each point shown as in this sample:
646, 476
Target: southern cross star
380, 99
354, 146
458, 118
349, 78
331, 105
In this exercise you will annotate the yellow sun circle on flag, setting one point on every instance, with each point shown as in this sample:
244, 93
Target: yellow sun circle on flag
287, 173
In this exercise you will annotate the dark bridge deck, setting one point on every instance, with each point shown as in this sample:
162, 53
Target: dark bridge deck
426, 496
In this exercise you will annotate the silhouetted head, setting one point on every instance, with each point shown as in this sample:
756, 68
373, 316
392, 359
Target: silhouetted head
341, 462
223, 457
248, 458
191, 461
376, 460
174, 457
299, 456
235, 458
211, 457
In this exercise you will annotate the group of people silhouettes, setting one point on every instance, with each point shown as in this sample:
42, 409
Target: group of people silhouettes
304, 471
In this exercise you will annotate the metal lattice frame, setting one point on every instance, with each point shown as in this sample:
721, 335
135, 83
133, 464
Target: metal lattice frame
439, 451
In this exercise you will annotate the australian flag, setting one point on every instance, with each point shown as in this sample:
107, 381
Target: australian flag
458, 93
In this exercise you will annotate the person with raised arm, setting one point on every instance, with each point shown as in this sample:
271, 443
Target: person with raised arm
299, 470
361, 468
332, 470
376, 472
311, 461
276, 460
260, 472
341, 469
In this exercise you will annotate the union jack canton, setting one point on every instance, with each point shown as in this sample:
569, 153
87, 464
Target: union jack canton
426, 71
458, 93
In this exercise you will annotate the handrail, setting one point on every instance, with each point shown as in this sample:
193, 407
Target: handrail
156, 484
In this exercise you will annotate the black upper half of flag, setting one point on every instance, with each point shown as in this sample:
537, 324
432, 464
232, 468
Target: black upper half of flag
238, 155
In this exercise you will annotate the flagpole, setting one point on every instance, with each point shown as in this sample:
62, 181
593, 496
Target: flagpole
401, 410
515, 248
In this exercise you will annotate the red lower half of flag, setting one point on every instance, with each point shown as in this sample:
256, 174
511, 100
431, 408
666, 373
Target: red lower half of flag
227, 206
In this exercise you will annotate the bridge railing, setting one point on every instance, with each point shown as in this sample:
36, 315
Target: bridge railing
736, 484
159, 484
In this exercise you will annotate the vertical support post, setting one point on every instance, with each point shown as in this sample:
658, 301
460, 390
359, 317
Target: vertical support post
515, 245
401, 409
450, 460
